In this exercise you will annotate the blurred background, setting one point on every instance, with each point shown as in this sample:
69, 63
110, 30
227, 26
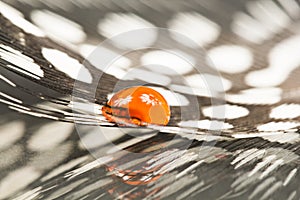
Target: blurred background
240, 143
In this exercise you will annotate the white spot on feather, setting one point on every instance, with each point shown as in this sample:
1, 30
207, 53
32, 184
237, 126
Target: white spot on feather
115, 24
274, 136
57, 26
17, 19
285, 111
209, 82
106, 60
277, 126
230, 58
256, 96
225, 111
64, 63
168, 62
282, 137
206, 124
266, 19
285, 53
194, 26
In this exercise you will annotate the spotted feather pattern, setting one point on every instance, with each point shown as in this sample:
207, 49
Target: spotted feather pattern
253, 154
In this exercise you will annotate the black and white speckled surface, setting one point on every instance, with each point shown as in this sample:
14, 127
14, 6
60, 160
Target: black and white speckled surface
42, 156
